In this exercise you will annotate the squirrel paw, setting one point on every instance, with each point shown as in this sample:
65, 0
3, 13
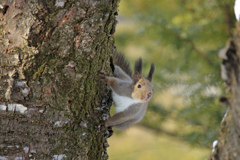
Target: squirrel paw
103, 76
102, 126
110, 131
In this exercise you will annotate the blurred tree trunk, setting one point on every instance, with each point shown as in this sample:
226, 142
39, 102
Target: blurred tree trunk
51, 100
228, 144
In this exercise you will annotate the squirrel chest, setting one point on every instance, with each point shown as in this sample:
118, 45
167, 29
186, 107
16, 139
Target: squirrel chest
121, 102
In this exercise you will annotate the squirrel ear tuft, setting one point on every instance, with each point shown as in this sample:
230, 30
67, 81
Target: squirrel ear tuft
150, 74
137, 71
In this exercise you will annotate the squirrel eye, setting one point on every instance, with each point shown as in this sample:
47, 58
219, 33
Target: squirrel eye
139, 86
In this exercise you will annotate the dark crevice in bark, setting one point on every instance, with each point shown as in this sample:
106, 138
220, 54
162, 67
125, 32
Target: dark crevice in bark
63, 49
5, 8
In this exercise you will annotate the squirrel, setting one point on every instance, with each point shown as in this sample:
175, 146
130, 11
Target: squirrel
130, 93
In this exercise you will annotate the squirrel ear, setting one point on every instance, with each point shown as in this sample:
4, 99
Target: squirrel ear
137, 71
150, 74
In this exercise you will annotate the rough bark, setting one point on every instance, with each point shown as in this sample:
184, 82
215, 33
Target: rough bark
51, 100
228, 145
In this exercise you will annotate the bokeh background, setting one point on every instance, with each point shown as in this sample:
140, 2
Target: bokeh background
182, 38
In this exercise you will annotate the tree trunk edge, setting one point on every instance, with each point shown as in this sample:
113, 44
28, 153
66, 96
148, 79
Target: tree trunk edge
52, 91
228, 143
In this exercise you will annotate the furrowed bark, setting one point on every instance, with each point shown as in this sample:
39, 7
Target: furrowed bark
51, 100
228, 145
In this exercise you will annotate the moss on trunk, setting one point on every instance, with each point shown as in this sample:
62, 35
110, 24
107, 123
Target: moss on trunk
228, 144
50, 57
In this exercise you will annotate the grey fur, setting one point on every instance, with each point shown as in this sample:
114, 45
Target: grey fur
124, 86
120, 60
129, 117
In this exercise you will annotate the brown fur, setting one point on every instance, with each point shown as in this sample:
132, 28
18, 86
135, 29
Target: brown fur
141, 93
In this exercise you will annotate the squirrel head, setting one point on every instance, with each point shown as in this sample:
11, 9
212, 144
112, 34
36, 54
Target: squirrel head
142, 87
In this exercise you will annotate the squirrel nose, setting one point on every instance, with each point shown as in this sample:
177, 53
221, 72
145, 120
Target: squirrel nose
149, 95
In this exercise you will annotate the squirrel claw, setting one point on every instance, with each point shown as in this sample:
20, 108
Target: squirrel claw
102, 126
102, 72
102, 76
110, 131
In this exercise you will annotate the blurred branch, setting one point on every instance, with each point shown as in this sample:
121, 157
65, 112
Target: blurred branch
228, 18
198, 51
193, 46
189, 41
227, 8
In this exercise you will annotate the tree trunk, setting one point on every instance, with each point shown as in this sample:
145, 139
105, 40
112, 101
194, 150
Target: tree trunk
51, 100
228, 144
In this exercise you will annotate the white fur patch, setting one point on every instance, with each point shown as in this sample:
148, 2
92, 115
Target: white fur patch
121, 102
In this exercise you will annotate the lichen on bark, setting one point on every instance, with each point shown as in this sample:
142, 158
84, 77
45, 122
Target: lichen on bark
50, 58
228, 144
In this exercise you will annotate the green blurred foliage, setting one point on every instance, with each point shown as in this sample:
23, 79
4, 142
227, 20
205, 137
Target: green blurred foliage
182, 38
